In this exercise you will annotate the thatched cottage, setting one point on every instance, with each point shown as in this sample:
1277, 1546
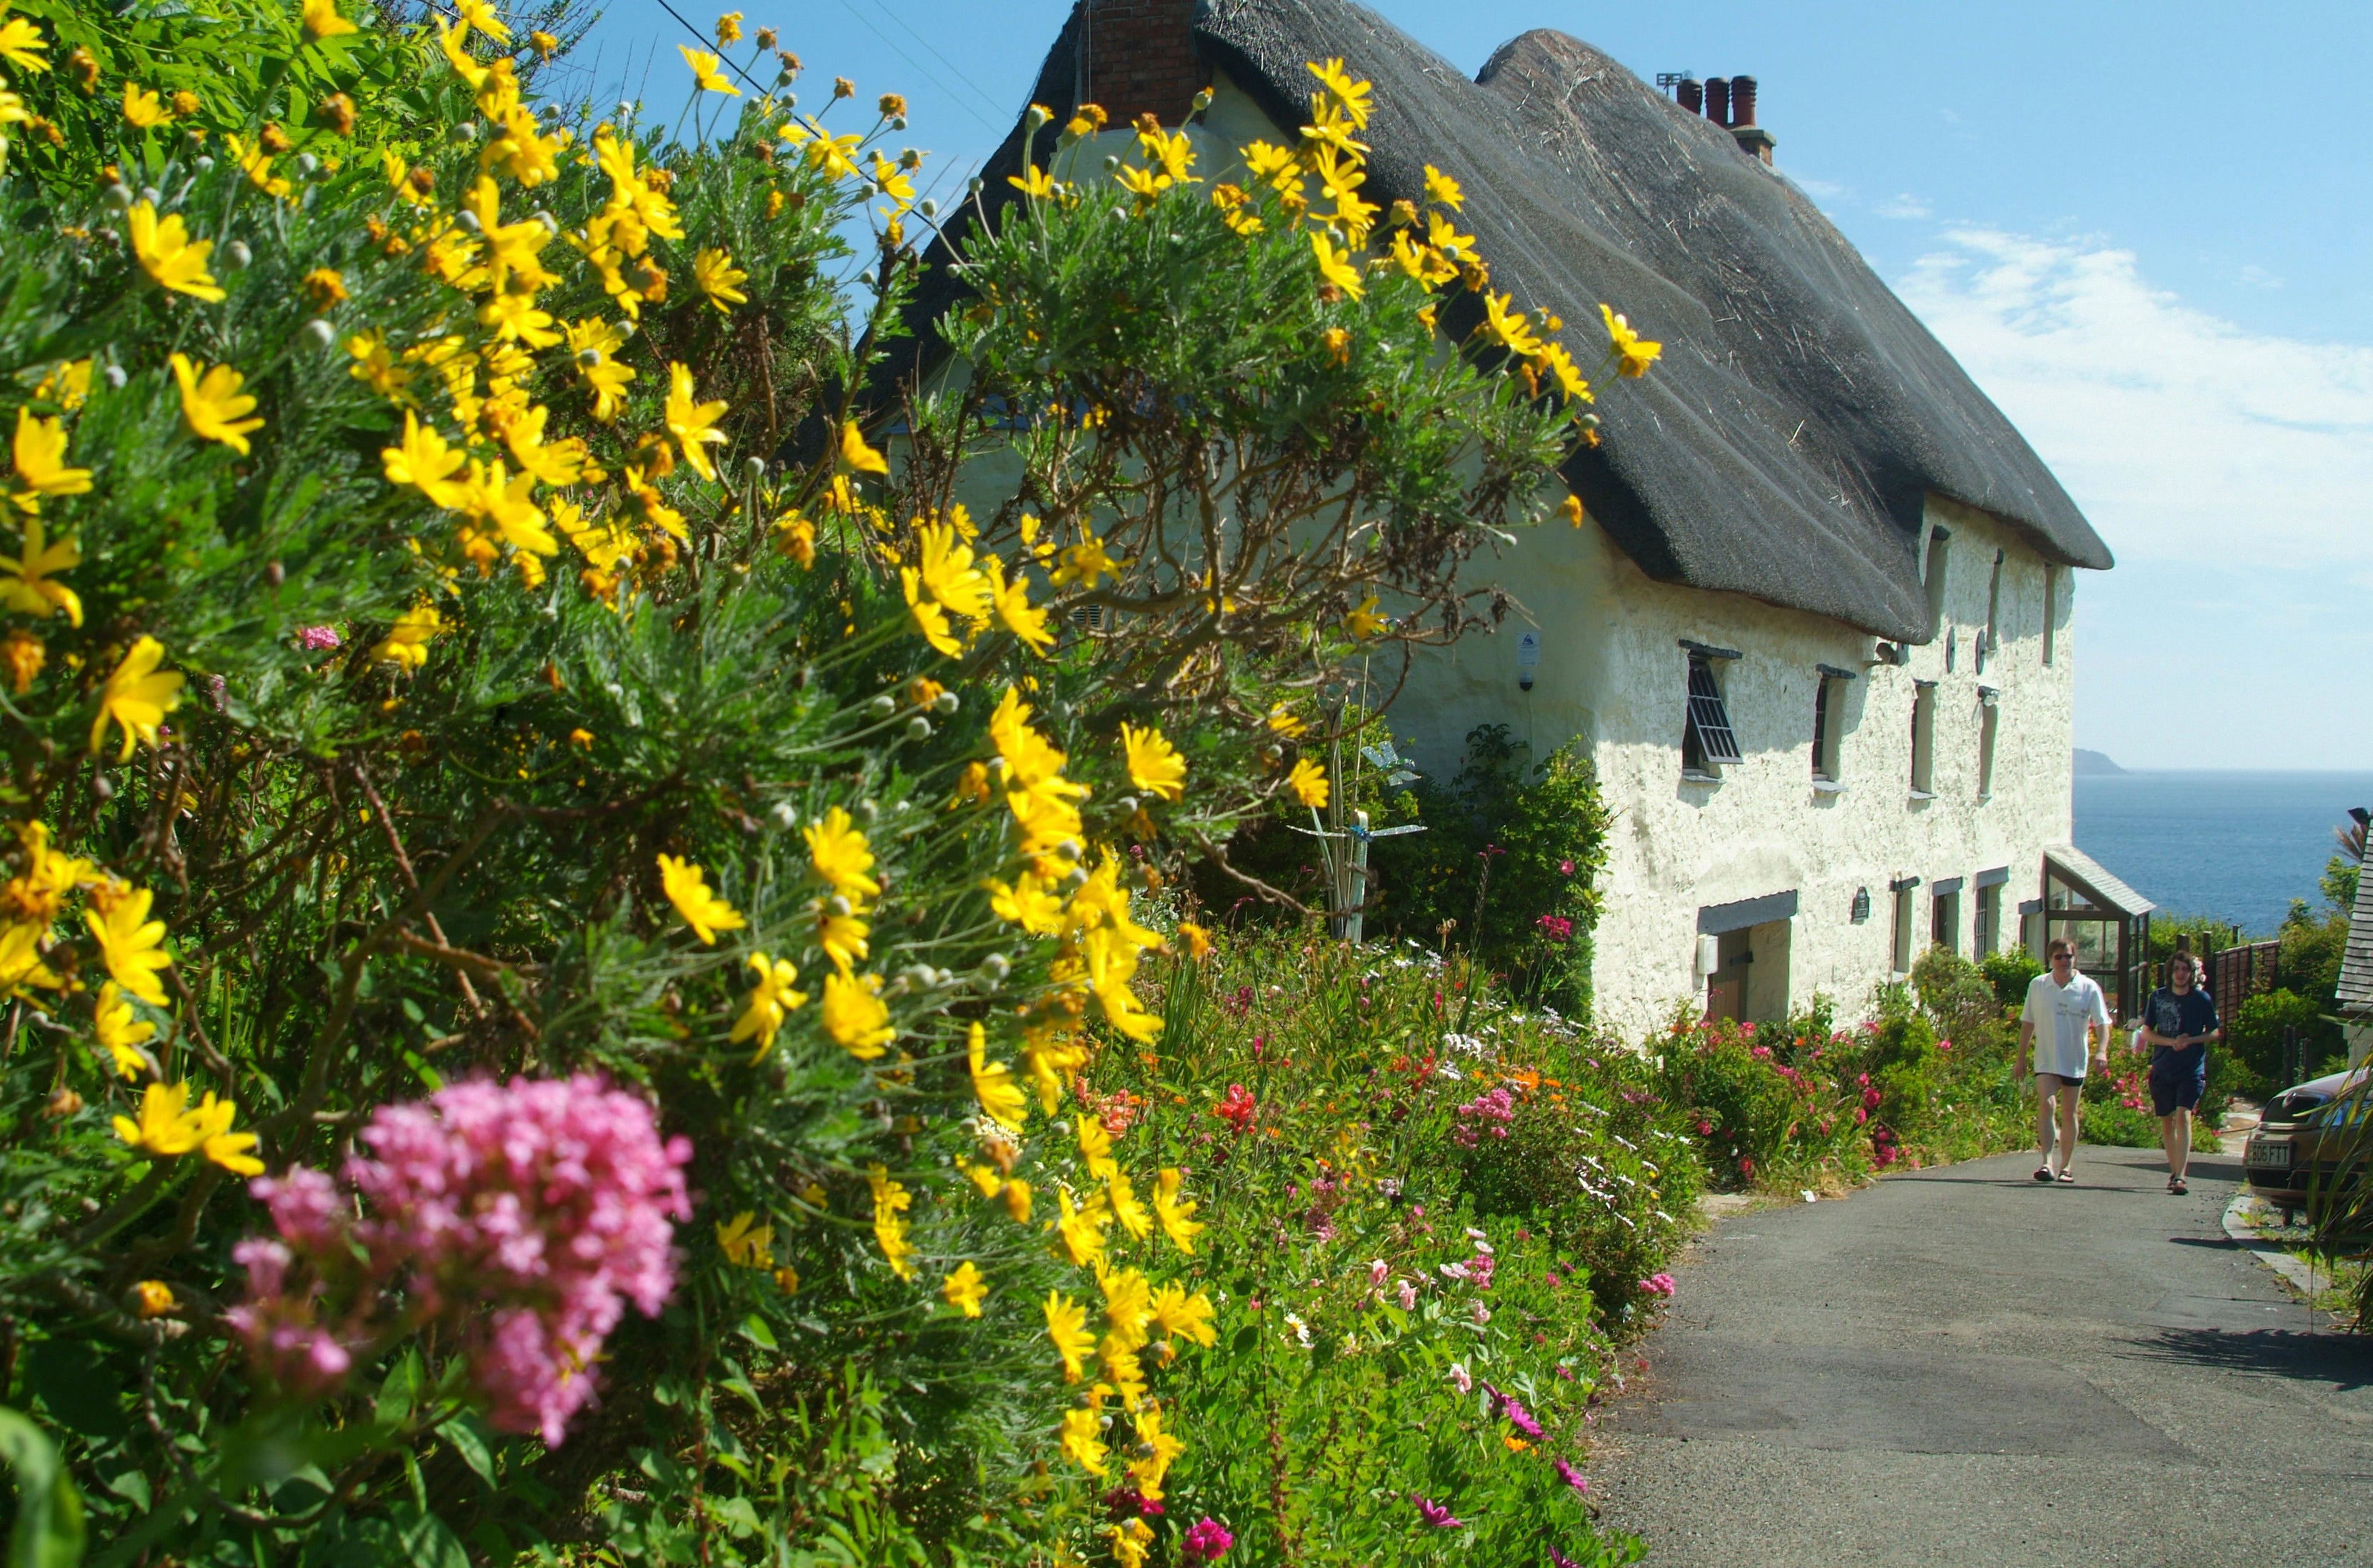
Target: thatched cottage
1818, 635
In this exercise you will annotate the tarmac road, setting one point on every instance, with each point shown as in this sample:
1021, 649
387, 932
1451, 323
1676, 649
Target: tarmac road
1964, 1366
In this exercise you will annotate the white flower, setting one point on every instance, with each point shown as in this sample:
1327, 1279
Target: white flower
1809, 1198
1482, 1315
1301, 1330
1459, 1375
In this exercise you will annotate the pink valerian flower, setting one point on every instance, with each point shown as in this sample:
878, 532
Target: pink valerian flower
1560, 1560
319, 639
1496, 1110
1462, 1378
1237, 1108
301, 1354
1556, 928
519, 1218
1205, 1543
1435, 1514
1574, 1478
1659, 1284
1408, 1296
1378, 1272
1479, 1270
1482, 1315
1565, 868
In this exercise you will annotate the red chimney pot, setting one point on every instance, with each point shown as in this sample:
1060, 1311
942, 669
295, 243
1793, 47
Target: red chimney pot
1742, 101
1692, 95
1717, 100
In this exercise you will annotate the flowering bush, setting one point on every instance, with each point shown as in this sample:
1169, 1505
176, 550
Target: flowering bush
1412, 1326
544, 781
1799, 1102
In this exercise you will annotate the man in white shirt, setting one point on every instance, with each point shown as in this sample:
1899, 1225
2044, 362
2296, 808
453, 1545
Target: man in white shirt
2066, 1023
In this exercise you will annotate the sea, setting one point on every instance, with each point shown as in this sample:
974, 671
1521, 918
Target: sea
2238, 847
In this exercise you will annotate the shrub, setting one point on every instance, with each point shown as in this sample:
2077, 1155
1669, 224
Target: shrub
1508, 866
2008, 972
2255, 1038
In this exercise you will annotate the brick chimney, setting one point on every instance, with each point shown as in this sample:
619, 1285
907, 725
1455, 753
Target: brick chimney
1753, 139
1139, 58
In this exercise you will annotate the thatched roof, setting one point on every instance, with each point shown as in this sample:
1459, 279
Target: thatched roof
1785, 444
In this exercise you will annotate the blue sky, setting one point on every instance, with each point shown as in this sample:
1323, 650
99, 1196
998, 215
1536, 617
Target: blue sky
2142, 226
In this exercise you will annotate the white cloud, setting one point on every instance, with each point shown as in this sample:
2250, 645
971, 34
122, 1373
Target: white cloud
1905, 205
1820, 189
2232, 472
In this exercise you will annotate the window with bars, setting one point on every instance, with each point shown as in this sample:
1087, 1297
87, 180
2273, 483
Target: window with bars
1707, 739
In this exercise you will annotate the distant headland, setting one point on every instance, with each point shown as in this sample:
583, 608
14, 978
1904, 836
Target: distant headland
2095, 762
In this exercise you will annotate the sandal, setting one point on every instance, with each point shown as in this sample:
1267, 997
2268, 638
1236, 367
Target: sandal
2176, 1186
2068, 1178
2043, 1172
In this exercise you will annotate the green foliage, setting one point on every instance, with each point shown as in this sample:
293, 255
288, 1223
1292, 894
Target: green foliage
1508, 866
2007, 972
2255, 1038
2339, 881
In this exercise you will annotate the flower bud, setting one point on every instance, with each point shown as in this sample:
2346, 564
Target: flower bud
237, 256
152, 195
317, 333
867, 812
997, 966
785, 816
119, 195
115, 376
883, 706
754, 469
203, 166
927, 208
308, 165
919, 727
589, 357
947, 702
467, 131
1037, 116
469, 220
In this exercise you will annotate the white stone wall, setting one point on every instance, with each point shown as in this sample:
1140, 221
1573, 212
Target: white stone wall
1612, 674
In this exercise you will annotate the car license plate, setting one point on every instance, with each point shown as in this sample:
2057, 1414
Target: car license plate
2276, 1151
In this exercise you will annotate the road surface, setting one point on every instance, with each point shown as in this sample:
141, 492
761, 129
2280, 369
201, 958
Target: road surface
1964, 1366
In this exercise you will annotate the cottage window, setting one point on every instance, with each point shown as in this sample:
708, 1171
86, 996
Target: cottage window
1944, 915
1903, 888
2051, 608
1940, 548
1989, 924
1923, 738
1828, 723
1707, 739
1824, 765
1990, 644
1989, 722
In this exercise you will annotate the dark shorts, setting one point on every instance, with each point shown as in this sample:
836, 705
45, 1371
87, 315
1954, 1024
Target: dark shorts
2178, 1078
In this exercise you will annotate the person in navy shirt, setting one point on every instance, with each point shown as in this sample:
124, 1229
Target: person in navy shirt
2178, 1023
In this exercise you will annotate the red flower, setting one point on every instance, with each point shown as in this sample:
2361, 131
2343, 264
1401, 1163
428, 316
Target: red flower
1237, 1107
